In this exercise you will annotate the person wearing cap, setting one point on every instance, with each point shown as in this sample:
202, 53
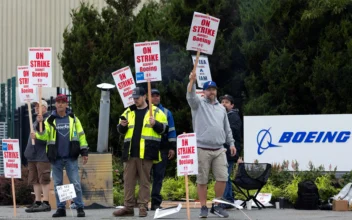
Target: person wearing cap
38, 166
212, 127
143, 135
167, 150
235, 123
66, 140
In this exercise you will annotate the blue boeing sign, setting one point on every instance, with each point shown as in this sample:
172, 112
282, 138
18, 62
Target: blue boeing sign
265, 141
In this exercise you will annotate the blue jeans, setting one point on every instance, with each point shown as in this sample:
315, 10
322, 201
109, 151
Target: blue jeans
71, 166
228, 193
158, 172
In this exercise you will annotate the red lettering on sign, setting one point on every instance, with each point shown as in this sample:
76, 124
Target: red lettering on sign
184, 142
40, 63
10, 155
11, 165
39, 55
205, 23
125, 83
186, 150
9, 146
26, 73
148, 58
204, 30
122, 76
23, 81
26, 90
186, 161
147, 50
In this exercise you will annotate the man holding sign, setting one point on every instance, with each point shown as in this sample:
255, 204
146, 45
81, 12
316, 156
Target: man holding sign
65, 142
210, 123
143, 135
38, 166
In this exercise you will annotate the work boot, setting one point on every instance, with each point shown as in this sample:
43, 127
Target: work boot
59, 213
125, 211
142, 211
80, 212
32, 207
42, 208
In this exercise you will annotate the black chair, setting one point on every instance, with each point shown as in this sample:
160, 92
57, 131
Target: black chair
252, 176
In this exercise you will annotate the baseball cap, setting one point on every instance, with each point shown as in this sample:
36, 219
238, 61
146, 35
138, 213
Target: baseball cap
44, 103
228, 97
61, 97
155, 91
209, 84
137, 92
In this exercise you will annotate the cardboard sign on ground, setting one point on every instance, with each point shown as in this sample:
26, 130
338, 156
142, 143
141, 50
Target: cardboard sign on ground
27, 93
147, 61
187, 157
203, 33
125, 84
40, 66
11, 158
202, 71
66, 192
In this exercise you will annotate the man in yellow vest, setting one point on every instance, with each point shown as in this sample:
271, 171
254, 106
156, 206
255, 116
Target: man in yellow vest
66, 140
143, 135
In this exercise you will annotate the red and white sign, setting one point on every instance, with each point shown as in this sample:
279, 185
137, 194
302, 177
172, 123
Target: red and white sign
187, 157
11, 157
147, 61
125, 84
200, 93
203, 70
40, 66
203, 33
27, 93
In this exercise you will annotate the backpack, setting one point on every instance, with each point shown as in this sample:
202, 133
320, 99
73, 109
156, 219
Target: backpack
308, 196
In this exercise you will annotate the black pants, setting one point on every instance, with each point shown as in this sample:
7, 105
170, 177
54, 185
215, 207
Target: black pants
158, 173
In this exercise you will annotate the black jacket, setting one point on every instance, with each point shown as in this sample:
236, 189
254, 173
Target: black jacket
236, 125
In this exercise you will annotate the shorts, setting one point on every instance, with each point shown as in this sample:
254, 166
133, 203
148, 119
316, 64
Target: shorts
39, 172
216, 161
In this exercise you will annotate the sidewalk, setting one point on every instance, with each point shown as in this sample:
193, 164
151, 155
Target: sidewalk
6, 212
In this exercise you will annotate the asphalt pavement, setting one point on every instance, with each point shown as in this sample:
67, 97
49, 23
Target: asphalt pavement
6, 212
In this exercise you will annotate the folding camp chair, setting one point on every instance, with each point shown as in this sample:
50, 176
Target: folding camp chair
252, 176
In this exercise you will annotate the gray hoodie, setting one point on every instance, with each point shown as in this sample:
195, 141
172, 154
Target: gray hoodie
210, 122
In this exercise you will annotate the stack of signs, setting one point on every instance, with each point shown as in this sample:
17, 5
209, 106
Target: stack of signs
11, 158
147, 61
27, 92
187, 157
66, 192
40, 66
203, 33
125, 84
202, 71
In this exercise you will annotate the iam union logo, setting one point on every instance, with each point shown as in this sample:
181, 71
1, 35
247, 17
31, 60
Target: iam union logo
264, 141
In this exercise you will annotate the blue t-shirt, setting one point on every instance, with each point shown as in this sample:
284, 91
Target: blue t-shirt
63, 135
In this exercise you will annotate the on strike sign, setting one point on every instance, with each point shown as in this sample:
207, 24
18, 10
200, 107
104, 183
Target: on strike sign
125, 84
202, 71
40, 66
147, 61
187, 157
203, 33
11, 157
66, 192
27, 93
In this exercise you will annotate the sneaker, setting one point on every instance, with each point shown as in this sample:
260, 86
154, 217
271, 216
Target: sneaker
42, 208
59, 213
32, 207
203, 212
124, 212
80, 212
219, 211
142, 211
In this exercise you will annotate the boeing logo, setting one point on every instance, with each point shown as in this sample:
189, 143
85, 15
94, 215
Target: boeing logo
264, 138
264, 134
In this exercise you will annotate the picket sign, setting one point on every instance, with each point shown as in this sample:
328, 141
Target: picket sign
125, 84
66, 193
202, 37
40, 71
147, 64
12, 164
187, 160
202, 70
27, 92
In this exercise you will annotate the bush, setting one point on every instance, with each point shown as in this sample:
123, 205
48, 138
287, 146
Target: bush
22, 190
